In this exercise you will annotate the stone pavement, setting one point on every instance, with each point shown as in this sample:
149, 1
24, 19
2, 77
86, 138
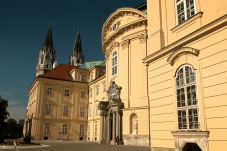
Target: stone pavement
75, 146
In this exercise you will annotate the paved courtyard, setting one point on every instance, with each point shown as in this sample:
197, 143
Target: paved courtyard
77, 146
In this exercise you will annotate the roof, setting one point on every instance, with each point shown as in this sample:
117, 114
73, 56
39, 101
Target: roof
89, 65
49, 40
61, 72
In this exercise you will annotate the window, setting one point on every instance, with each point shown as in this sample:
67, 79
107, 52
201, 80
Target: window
83, 77
81, 130
82, 94
184, 10
114, 63
114, 27
64, 129
104, 87
89, 114
48, 109
95, 129
187, 110
88, 129
81, 111
97, 109
46, 129
65, 110
90, 93
66, 92
91, 76
49, 91
97, 90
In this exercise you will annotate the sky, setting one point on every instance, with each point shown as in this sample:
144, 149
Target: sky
23, 27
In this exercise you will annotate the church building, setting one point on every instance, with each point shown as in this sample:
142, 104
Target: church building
162, 83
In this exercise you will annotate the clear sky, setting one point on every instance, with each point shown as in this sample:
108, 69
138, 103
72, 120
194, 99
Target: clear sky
23, 27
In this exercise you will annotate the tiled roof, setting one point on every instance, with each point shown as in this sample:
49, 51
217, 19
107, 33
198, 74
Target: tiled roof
61, 72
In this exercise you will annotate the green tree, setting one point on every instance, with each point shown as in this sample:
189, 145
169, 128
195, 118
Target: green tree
20, 128
12, 131
4, 114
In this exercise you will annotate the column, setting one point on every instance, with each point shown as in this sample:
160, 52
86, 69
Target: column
101, 128
114, 126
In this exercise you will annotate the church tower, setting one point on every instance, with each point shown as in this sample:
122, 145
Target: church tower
46, 60
77, 57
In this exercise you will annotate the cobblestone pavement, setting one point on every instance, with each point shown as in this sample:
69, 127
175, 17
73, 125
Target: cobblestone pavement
77, 146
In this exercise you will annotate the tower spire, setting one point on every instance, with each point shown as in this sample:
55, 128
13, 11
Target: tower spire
77, 57
46, 60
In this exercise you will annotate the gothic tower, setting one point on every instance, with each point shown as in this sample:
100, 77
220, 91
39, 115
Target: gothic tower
77, 57
46, 60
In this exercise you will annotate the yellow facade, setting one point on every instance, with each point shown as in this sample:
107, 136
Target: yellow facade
198, 42
162, 83
57, 109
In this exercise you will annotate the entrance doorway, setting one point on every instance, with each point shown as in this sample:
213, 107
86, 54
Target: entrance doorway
191, 147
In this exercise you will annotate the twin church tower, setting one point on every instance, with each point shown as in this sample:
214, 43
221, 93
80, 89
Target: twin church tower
46, 60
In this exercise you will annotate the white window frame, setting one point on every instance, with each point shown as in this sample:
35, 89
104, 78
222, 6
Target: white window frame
64, 129
48, 109
49, 91
186, 97
183, 13
81, 130
96, 109
114, 63
90, 109
97, 90
82, 94
83, 77
46, 129
67, 92
82, 111
95, 129
90, 93
65, 110
88, 129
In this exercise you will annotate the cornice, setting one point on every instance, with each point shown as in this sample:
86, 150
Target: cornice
121, 30
212, 26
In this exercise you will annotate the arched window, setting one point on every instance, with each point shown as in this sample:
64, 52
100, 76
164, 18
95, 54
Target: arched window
42, 59
133, 124
81, 130
114, 63
187, 104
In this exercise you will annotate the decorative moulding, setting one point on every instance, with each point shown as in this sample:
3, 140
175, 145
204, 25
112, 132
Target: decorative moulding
183, 50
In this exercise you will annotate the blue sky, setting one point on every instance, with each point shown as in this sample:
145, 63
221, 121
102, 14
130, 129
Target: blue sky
23, 27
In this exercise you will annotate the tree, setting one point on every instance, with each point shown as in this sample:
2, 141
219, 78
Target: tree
11, 129
20, 127
4, 114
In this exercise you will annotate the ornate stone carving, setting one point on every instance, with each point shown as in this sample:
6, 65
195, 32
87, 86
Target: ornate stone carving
113, 45
142, 38
125, 44
113, 92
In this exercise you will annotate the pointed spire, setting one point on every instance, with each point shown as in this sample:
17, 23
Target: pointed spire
77, 57
49, 40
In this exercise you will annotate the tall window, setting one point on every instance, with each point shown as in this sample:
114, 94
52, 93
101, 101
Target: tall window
83, 77
95, 130
104, 87
88, 129
96, 109
184, 10
97, 90
65, 110
46, 130
48, 109
81, 130
82, 94
81, 111
114, 63
64, 129
90, 93
187, 108
89, 113
49, 91
66, 92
